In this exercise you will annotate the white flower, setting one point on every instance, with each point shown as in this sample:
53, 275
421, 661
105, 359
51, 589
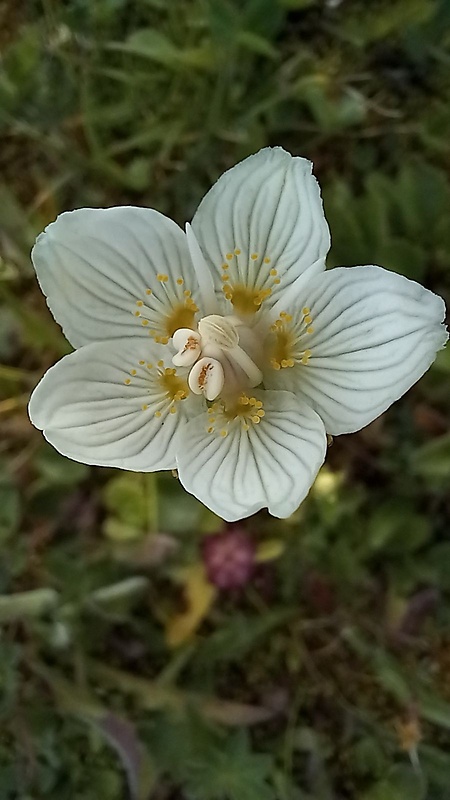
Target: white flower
228, 351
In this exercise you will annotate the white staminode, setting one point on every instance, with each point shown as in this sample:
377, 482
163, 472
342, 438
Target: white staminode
227, 352
218, 332
207, 377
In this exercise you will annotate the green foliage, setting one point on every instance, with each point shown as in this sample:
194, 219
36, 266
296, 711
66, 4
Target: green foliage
400, 782
397, 222
327, 677
211, 765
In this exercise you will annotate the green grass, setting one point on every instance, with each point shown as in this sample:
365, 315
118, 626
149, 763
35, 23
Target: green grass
326, 678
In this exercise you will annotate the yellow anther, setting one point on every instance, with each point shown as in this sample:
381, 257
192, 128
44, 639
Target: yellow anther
137, 313
275, 364
237, 252
225, 278
307, 319
160, 363
252, 401
229, 256
145, 322
261, 412
157, 413
267, 261
277, 281
305, 310
142, 363
284, 362
256, 419
272, 271
132, 372
310, 329
180, 281
144, 407
224, 433
307, 353
139, 303
148, 291
245, 426
173, 410
127, 381
149, 366
254, 256
212, 420
162, 278
225, 266
258, 404
187, 293
210, 429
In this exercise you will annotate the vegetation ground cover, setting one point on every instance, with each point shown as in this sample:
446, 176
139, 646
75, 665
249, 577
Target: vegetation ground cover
124, 672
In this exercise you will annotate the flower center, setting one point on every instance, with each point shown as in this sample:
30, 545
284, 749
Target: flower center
244, 410
288, 338
217, 357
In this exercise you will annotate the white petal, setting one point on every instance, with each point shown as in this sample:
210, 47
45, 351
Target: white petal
271, 464
106, 404
202, 274
263, 220
99, 269
374, 335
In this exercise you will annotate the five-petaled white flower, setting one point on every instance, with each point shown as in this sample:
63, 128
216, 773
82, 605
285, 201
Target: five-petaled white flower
226, 352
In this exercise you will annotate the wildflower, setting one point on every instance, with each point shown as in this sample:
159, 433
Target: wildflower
226, 352
229, 558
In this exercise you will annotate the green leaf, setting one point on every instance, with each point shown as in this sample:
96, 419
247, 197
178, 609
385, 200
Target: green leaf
34, 603
10, 508
397, 529
256, 44
56, 470
154, 695
434, 709
442, 363
432, 460
438, 559
126, 498
297, 4
234, 640
229, 770
436, 764
407, 258
386, 669
401, 783
155, 46
116, 730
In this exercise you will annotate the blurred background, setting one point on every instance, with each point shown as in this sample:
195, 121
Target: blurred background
146, 650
